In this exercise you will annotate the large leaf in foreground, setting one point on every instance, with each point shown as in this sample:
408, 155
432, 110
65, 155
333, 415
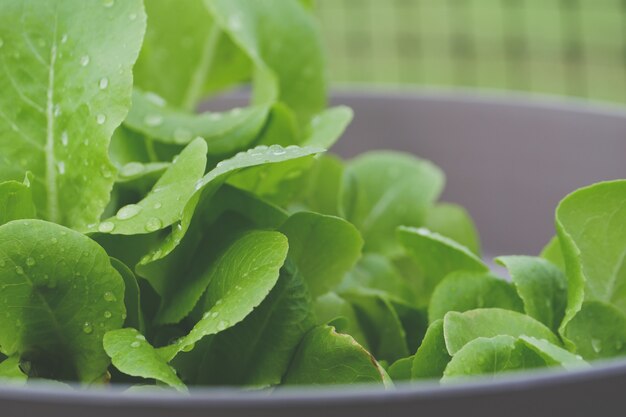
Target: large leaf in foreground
327, 357
60, 295
64, 91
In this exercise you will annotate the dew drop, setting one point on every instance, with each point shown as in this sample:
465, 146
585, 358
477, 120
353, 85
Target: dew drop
101, 118
132, 169
182, 135
104, 83
108, 3
156, 99
109, 296
64, 138
222, 325
277, 150
235, 112
87, 327
157, 205
218, 302
107, 314
132, 16
596, 344
19, 270
84, 60
106, 227
30, 261
214, 117
215, 314
61, 167
64, 38
234, 22
54, 240
206, 315
153, 120
140, 337
128, 212
106, 172
153, 224
135, 344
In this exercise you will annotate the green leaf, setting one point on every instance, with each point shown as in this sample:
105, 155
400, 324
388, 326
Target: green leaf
598, 331
333, 310
454, 222
432, 356
376, 272
400, 370
60, 295
64, 93
552, 253
257, 351
321, 186
16, 201
435, 256
163, 206
251, 160
462, 328
384, 190
463, 291
552, 354
225, 133
381, 324
133, 355
541, 285
323, 247
10, 371
238, 282
132, 301
491, 357
326, 357
186, 57
282, 40
592, 232
327, 127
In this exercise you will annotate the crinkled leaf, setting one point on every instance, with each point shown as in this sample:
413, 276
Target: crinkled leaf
462, 328
541, 285
133, 355
432, 356
225, 133
435, 256
327, 357
60, 295
163, 206
592, 232
257, 351
238, 281
491, 357
16, 201
64, 93
454, 222
282, 40
463, 291
384, 190
324, 248
598, 331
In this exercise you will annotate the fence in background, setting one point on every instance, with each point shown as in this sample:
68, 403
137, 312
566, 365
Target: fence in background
571, 47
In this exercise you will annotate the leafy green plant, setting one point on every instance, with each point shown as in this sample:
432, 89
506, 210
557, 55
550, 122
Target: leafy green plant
145, 243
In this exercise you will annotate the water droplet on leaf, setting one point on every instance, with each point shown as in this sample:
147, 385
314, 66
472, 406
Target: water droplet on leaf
106, 227
104, 83
87, 327
84, 60
109, 296
128, 212
101, 118
153, 120
153, 224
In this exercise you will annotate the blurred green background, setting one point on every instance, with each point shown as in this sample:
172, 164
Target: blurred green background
568, 47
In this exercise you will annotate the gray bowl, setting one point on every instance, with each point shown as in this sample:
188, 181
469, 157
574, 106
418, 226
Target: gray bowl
509, 160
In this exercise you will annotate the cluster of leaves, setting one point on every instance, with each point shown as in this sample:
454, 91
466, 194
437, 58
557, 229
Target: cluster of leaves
148, 244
